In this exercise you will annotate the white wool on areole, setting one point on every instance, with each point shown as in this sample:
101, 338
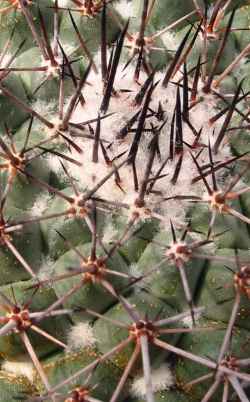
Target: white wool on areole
124, 8
40, 205
188, 321
134, 270
110, 234
162, 379
19, 368
6, 59
64, 3
170, 40
44, 108
81, 335
46, 271
55, 164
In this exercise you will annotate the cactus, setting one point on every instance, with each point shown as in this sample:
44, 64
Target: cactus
124, 202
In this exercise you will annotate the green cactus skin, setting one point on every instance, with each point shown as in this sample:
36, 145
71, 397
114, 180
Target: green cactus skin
202, 346
29, 240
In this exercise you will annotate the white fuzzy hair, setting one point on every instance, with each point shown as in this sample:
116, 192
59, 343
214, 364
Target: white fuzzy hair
162, 379
20, 368
80, 336
188, 321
